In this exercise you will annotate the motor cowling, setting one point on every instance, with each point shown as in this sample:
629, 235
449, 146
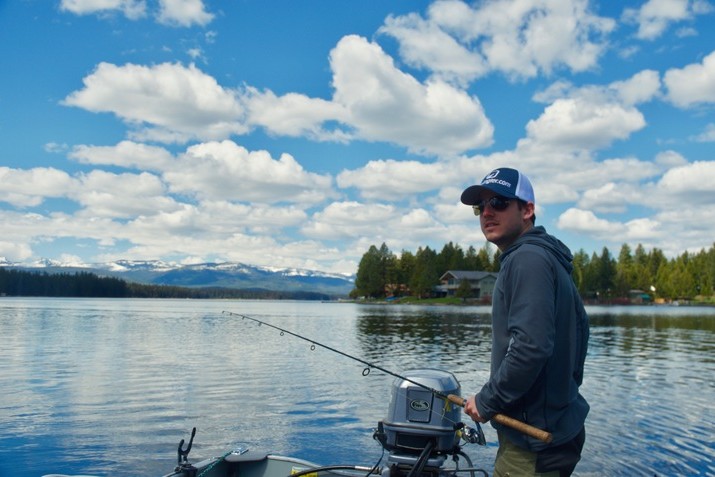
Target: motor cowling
418, 417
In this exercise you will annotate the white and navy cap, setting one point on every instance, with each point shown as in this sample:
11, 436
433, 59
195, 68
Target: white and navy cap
505, 182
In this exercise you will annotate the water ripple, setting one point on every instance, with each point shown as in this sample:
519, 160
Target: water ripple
108, 387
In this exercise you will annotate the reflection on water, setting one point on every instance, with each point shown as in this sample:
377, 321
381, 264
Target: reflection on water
655, 372
424, 336
110, 386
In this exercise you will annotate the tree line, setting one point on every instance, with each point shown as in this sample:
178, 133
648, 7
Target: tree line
90, 285
599, 277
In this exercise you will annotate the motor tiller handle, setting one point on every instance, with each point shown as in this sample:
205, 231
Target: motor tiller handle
520, 426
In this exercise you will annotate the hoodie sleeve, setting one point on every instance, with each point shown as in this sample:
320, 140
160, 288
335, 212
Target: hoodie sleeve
527, 328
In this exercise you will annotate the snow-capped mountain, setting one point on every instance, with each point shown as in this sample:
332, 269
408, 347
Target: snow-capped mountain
226, 275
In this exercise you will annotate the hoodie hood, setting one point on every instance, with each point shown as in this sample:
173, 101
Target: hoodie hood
538, 236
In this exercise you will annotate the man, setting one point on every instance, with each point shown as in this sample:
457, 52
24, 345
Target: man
539, 333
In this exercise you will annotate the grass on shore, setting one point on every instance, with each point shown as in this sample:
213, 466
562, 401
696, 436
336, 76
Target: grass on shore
412, 300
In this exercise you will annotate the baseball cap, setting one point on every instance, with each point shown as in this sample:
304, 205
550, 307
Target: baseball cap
505, 182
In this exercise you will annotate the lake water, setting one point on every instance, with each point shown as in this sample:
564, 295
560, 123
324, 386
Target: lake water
109, 387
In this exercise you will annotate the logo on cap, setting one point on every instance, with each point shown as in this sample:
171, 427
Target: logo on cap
491, 178
491, 175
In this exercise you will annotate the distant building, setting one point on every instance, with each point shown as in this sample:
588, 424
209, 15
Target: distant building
639, 297
481, 284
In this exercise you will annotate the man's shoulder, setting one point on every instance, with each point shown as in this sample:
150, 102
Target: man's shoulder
531, 259
529, 249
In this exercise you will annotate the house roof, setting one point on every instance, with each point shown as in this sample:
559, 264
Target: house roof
466, 275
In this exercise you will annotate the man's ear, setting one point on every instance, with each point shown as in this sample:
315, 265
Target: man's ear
528, 210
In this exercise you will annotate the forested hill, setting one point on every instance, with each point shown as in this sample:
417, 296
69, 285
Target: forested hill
84, 284
601, 277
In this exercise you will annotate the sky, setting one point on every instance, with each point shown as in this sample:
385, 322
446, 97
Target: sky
296, 134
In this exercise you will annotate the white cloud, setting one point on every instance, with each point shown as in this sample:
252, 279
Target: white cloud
341, 220
30, 228
640, 88
183, 13
520, 39
29, 187
451, 211
560, 178
690, 226
578, 123
682, 197
296, 115
57, 148
686, 32
391, 179
354, 223
668, 159
628, 170
218, 199
586, 182
104, 194
150, 240
586, 222
132, 9
227, 217
424, 45
196, 54
609, 197
417, 219
655, 16
640, 229
373, 101
385, 104
166, 102
692, 84
217, 220
225, 170
125, 154
592, 117
222, 230
179, 13
708, 135
15, 252
692, 181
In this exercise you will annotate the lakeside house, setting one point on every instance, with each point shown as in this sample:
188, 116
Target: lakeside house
481, 284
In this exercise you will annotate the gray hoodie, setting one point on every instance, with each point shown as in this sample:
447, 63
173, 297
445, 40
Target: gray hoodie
539, 342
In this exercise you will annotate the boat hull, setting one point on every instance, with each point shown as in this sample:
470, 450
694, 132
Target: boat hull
248, 463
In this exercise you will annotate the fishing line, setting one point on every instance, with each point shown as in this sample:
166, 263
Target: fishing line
527, 429
368, 365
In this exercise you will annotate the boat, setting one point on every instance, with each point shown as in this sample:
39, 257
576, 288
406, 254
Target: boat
422, 435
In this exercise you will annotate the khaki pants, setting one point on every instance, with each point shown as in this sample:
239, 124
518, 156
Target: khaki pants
513, 461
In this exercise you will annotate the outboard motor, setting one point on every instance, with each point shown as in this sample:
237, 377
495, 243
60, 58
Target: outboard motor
421, 428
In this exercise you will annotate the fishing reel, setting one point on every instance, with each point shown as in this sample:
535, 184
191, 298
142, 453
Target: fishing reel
473, 435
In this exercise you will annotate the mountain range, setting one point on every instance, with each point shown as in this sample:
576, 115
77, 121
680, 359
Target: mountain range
223, 275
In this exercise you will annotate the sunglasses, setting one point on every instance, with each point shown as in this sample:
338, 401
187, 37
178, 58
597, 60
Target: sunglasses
496, 203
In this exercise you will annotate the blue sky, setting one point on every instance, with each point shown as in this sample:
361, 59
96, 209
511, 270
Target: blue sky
299, 133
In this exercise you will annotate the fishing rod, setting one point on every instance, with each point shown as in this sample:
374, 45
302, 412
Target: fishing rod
505, 420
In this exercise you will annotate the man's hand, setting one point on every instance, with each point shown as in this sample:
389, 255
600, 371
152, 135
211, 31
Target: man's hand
470, 408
